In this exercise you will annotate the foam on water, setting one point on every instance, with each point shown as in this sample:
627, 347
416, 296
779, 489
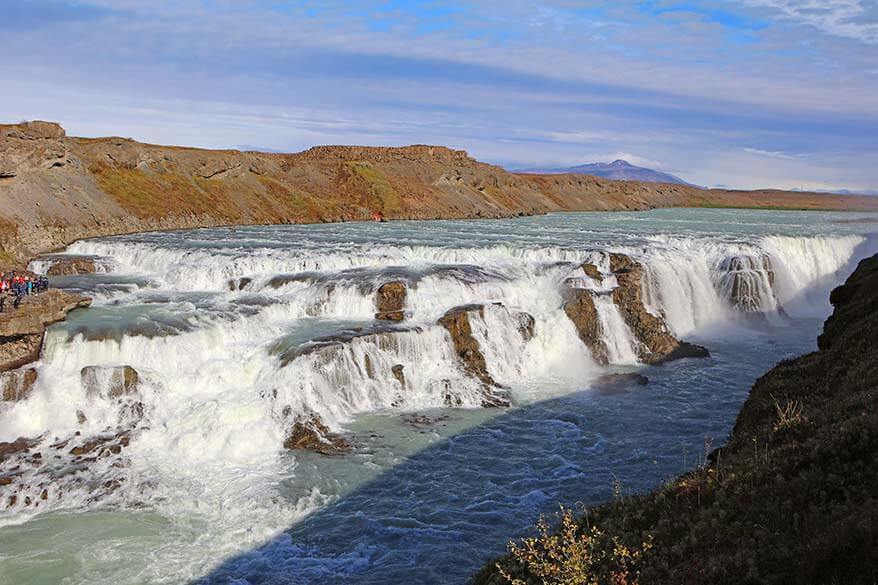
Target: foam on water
225, 369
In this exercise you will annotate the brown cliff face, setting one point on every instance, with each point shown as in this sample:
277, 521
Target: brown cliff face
55, 189
22, 329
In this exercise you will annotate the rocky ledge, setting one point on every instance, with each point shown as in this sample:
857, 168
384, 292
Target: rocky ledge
789, 499
655, 343
22, 329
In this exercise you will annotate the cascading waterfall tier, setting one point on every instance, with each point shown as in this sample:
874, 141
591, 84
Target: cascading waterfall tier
217, 355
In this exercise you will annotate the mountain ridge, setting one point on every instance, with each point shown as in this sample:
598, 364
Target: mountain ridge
618, 170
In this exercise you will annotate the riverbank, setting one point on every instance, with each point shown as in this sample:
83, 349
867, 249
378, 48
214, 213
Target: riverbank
789, 499
56, 189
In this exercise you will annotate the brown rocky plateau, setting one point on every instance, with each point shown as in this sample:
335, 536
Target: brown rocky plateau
55, 189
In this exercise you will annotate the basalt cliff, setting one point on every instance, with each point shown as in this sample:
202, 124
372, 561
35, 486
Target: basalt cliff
55, 189
791, 497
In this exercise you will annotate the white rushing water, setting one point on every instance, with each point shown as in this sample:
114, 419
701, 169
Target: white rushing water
236, 334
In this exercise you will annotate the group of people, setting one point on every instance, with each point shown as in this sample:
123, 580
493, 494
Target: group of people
19, 286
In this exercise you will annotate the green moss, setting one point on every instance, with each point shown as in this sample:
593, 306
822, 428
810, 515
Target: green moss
380, 194
154, 195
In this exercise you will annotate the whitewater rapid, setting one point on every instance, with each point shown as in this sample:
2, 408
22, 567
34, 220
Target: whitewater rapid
225, 330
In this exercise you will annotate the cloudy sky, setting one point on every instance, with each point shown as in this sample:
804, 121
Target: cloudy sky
752, 93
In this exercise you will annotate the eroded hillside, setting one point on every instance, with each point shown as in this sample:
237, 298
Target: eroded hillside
55, 189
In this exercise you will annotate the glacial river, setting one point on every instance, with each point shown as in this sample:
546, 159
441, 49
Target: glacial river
225, 330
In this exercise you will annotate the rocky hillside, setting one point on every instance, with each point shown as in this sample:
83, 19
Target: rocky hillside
792, 497
55, 189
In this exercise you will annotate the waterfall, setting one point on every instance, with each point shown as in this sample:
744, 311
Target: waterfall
207, 362
617, 337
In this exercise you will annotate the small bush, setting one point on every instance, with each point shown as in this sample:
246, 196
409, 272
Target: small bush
575, 555
789, 413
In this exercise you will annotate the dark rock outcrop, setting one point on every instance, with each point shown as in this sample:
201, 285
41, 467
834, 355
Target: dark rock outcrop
18, 350
526, 325
740, 278
390, 301
618, 383
119, 381
311, 434
657, 344
581, 310
457, 322
16, 385
239, 283
592, 271
21, 330
399, 373
19, 445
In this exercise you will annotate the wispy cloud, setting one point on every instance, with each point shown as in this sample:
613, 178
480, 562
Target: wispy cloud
770, 153
853, 19
560, 82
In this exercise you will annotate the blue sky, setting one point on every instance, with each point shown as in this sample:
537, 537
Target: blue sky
753, 93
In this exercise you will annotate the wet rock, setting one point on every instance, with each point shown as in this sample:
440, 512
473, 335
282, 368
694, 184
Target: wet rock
592, 271
367, 364
457, 322
399, 374
421, 420
526, 324
657, 344
620, 263
390, 301
742, 281
21, 330
619, 383
580, 309
102, 446
18, 350
19, 445
239, 283
38, 311
118, 381
17, 384
683, 350
312, 435
72, 265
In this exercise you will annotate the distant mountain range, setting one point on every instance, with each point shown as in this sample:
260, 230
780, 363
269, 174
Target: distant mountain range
619, 170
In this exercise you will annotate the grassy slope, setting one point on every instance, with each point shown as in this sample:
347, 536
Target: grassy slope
793, 497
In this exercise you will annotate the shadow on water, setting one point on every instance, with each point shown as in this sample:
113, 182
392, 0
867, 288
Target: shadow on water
439, 515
